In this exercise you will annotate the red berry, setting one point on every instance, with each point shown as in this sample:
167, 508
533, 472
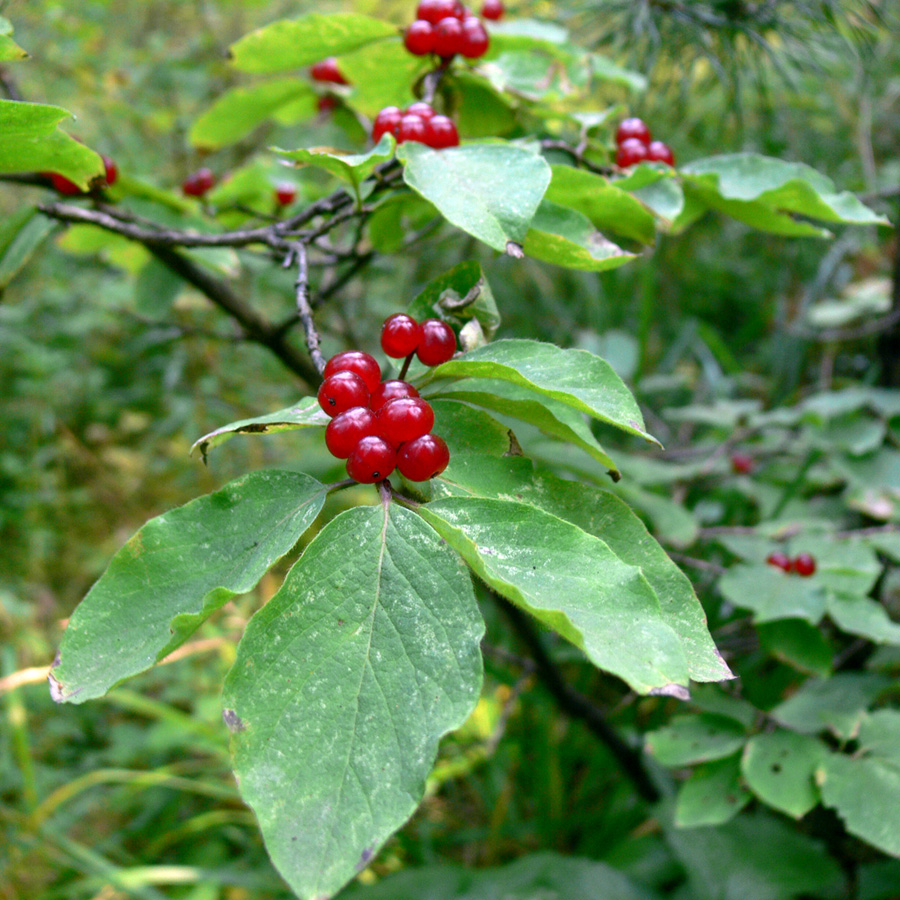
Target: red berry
423, 458
779, 560
64, 186
419, 38
421, 109
355, 361
804, 564
493, 9
112, 170
633, 128
326, 103
411, 128
327, 70
390, 390
372, 459
441, 132
448, 37
475, 39
345, 431
630, 152
742, 464
285, 193
435, 10
342, 391
399, 335
437, 342
660, 152
387, 120
405, 419
199, 183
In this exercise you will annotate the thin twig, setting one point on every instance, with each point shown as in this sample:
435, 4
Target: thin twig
695, 563
304, 310
577, 153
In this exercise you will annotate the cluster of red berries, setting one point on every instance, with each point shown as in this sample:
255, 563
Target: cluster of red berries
326, 71
635, 145
70, 189
417, 122
446, 27
803, 564
377, 425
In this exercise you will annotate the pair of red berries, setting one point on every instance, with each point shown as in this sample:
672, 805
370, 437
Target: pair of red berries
635, 145
198, 183
804, 564
70, 189
417, 122
445, 28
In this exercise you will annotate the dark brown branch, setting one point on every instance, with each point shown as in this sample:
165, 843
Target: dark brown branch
578, 706
304, 310
8, 83
577, 154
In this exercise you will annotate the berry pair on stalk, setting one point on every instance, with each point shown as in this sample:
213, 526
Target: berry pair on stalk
804, 564
376, 425
417, 122
445, 28
69, 189
635, 145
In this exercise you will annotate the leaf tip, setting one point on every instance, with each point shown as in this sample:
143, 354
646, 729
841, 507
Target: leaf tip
678, 691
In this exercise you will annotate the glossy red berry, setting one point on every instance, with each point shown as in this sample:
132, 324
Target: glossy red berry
660, 152
372, 459
435, 10
631, 151
63, 186
742, 464
356, 361
390, 390
493, 9
112, 170
421, 109
388, 120
475, 40
448, 37
345, 431
779, 560
633, 128
399, 335
440, 132
405, 419
327, 70
285, 193
419, 37
198, 183
411, 128
804, 564
342, 391
423, 458
437, 342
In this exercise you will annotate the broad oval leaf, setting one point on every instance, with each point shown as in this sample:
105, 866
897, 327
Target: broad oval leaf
293, 43
305, 414
712, 795
575, 378
570, 581
772, 594
490, 191
20, 235
343, 685
693, 739
780, 769
175, 572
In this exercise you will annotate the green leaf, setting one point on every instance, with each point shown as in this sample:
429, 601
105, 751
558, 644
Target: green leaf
382, 74
570, 581
863, 616
780, 769
10, 51
31, 142
605, 516
442, 298
712, 795
305, 414
696, 738
354, 168
671, 521
607, 206
773, 594
20, 235
866, 795
175, 572
551, 417
293, 43
575, 378
837, 704
798, 644
239, 110
468, 430
879, 735
343, 684
567, 238
490, 191
766, 193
